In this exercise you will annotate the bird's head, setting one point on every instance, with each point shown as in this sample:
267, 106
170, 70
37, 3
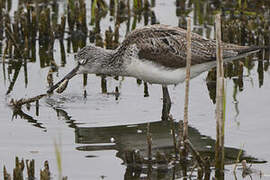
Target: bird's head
90, 60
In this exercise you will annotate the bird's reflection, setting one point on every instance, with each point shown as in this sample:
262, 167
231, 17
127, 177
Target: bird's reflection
29, 118
133, 137
125, 138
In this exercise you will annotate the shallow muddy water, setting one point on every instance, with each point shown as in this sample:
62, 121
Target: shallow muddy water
95, 131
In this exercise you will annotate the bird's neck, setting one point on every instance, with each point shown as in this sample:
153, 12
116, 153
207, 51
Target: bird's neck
111, 64
104, 55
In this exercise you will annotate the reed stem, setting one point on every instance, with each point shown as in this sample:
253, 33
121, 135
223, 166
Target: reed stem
188, 64
220, 104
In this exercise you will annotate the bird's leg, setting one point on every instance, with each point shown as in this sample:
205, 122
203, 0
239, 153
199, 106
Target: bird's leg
166, 103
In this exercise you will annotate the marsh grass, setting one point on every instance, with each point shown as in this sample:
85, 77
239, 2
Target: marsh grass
58, 155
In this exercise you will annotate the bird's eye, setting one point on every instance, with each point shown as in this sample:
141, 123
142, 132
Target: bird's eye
82, 61
75, 56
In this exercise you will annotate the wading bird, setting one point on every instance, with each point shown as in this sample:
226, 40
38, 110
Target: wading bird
155, 54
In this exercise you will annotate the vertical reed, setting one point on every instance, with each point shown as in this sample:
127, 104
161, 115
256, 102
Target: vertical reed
220, 104
176, 151
188, 64
30, 165
149, 142
93, 11
45, 173
6, 174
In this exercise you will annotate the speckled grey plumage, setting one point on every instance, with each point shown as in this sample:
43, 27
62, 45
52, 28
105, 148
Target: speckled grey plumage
160, 44
161, 48
166, 45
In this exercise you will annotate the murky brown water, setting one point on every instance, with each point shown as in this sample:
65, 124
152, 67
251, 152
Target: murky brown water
95, 131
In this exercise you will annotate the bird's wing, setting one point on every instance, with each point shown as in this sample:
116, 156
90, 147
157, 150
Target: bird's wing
166, 45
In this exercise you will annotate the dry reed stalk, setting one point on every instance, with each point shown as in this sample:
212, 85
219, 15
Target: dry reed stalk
196, 154
176, 151
188, 64
45, 173
20, 102
30, 165
220, 100
6, 174
238, 158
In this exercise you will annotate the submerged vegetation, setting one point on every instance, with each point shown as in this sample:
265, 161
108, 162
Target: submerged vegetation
38, 30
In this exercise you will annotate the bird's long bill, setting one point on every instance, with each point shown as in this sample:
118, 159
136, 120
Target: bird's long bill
72, 73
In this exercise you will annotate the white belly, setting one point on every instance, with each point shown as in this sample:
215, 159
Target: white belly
156, 74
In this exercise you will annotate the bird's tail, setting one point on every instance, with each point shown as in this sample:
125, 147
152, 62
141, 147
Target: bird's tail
244, 52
